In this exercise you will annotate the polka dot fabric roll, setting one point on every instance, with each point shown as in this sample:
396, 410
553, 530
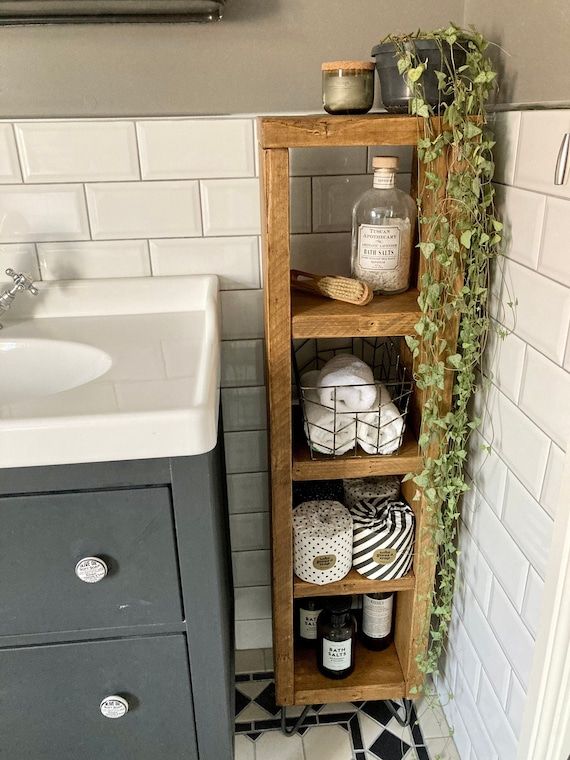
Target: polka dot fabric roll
322, 541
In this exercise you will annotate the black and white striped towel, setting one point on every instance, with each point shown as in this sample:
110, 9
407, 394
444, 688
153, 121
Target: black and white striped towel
383, 539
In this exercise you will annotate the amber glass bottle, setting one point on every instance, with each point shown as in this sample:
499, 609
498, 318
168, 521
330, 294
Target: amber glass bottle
377, 616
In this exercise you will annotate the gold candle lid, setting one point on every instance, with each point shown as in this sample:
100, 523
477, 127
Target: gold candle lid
355, 65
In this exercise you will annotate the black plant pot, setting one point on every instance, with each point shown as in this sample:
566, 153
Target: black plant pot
394, 89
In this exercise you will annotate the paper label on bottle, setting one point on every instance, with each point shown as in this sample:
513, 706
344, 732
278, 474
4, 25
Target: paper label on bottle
337, 655
377, 616
308, 623
384, 556
378, 247
324, 561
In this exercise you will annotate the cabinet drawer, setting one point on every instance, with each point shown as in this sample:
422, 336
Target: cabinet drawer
51, 698
42, 538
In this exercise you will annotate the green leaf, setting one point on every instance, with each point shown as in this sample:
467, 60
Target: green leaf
466, 238
471, 130
441, 79
455, 360
427, 249
415, 74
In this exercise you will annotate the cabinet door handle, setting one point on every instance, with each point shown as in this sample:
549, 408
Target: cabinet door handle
562, 160
114, 706
91, 569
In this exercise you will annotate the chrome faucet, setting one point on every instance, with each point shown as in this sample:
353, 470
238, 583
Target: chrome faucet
21, 282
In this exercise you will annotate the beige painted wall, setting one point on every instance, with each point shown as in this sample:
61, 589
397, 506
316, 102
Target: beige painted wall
264, 56
535, 37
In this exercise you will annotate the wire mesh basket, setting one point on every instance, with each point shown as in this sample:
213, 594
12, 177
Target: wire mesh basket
358, 419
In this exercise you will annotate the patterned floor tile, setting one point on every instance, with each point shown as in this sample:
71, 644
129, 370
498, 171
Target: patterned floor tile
253, 712
252, 689
241, 702
388, 746
327, 743
266, 699
378, 711
369, 729
243, 749
273, 745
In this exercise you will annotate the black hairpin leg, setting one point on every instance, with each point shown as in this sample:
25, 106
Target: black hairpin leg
290, 730
407, 705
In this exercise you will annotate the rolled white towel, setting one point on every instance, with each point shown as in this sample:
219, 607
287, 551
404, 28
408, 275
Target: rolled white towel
347, 383
326, 432
380, 432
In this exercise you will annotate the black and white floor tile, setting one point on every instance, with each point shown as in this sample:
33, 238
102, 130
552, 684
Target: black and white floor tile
348, 731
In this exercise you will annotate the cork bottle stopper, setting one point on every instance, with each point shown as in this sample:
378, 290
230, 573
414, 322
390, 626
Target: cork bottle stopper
385, 162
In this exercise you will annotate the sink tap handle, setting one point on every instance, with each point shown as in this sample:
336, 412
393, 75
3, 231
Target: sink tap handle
23, 281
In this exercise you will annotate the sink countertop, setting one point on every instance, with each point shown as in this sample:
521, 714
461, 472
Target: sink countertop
160, 396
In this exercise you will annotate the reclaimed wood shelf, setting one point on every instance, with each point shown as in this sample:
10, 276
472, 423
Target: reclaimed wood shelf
304, 467
393, 673
377, 675
353, 583
316, 317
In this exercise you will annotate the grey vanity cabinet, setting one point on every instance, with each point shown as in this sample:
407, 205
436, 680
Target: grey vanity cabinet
156, 629
51, 697
44, 536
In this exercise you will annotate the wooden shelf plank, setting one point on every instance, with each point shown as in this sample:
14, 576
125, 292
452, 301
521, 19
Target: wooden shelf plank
353, 583
377, 675
407, 459
318, 130
317, 317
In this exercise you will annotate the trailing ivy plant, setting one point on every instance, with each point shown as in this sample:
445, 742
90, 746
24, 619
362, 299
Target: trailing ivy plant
460, 237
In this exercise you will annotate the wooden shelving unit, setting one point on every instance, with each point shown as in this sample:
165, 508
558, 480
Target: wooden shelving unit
378, 675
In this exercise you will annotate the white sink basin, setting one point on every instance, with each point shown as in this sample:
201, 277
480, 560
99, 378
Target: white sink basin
35, 367
107, 370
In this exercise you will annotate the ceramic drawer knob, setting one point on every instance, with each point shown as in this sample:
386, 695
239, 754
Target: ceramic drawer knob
114, 706
91, 569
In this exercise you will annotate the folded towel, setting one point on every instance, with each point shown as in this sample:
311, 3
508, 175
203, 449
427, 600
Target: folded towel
322, 532
380, 432
327, 432
347, 383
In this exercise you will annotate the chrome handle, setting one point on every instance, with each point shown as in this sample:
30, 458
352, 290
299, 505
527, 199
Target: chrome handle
91, 569
562, 160
23, 281
114, 706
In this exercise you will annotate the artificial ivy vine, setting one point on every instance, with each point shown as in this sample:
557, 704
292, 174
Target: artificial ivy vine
460, 237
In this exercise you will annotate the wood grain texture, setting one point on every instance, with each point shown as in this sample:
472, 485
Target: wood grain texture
277, 304
377, 675
314, 316
408, 459
319, 130
353, 583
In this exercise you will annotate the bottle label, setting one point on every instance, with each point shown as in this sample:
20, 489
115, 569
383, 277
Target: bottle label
384, 556
378, 247
308, 623
377, 616
337, 655
324, 561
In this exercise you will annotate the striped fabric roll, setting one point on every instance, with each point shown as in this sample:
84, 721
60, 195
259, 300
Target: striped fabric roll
370, 491
383, 539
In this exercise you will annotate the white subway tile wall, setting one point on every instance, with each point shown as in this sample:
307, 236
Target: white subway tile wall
515, 464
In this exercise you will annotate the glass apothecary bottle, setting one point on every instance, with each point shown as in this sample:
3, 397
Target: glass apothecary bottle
308, 611
376, 631
348, 86
336, 638
383, 223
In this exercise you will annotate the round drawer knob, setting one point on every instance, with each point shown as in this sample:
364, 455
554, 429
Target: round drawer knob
91, 569
114, 706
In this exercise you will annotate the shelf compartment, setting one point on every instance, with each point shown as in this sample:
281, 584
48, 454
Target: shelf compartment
353, 583
378, 675
317, 317
407, 459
